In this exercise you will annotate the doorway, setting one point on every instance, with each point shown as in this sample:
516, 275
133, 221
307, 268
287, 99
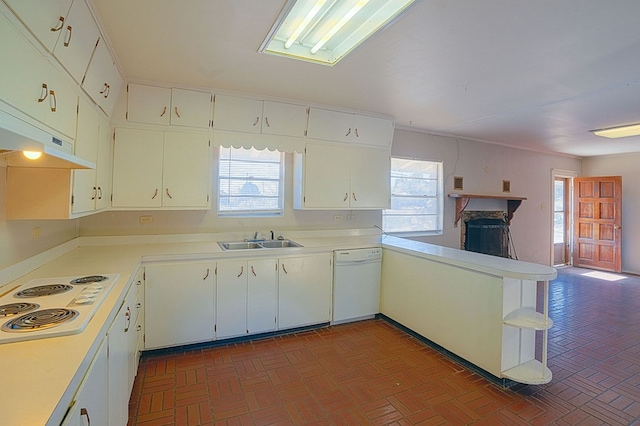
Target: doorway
561, 221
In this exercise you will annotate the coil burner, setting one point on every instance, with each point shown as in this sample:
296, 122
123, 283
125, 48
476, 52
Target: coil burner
89, 279
13, 309
39, 320
44, 290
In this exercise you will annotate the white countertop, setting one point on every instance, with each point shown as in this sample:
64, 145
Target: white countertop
47, 370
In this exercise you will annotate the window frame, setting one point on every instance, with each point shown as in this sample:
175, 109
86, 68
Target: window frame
439, 197
279, 212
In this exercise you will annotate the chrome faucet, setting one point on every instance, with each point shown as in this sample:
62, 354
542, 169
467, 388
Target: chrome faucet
255, 236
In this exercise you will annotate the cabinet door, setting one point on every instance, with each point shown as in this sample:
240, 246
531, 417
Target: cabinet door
304, 290
104, 165
103, 80
237, 114
284, 119
90, 405
326, 176
62, 104
262, 296
190, 108
148, 104
85, 191
179, 304
231, 298
121, 338
330, 125
45, 18
23, 72
370, 178
77, 40
137, 168
373, 131
187, 170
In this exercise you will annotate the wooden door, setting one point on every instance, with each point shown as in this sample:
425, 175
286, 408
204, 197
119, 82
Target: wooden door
597, 225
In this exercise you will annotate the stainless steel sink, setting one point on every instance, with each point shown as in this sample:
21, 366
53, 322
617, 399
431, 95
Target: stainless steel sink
250, 245
239, 245
279, 244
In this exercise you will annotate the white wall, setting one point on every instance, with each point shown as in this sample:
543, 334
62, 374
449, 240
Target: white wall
626, 166
483, 167
16, 236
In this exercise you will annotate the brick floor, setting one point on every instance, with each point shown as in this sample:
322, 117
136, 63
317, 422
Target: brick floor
372, 373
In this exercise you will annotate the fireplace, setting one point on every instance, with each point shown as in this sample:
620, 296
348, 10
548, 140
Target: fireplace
485, 232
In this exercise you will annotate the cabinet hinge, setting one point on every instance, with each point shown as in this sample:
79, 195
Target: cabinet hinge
305, 133
73, 199
112, 198
114, 135
78, 109
144, 275
215, 272
83, 80
215, 327
127, 87
210, 140
207, 198
126, 115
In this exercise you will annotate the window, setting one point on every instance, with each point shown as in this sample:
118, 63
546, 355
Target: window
416, 197
250, 182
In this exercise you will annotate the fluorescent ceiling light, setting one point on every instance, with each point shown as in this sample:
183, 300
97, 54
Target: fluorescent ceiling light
618, 132
324, 31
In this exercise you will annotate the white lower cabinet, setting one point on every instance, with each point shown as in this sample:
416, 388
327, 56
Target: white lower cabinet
246, 297
122, 340
304, 290
179, 303
90, 405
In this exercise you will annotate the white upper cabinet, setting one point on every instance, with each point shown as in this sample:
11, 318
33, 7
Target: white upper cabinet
341, 177
349, 127
45, 18
103, 80
32, 85
256, 116
85, 190
78, 38
163, 106
154, 169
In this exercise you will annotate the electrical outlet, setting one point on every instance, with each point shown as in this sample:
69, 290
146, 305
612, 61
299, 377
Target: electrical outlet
337, 217
37, 231
146, 219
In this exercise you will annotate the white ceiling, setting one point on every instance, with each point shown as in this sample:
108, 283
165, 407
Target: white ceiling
533, 74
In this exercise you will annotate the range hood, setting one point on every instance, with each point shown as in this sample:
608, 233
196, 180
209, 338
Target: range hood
17, 136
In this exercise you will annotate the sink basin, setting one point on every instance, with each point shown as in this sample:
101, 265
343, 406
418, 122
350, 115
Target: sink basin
249, 245
279, 244
239, 245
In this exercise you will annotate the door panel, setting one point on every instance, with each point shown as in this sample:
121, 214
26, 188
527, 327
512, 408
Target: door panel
597, 223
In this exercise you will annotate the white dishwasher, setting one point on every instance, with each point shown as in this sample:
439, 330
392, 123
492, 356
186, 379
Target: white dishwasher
356, 284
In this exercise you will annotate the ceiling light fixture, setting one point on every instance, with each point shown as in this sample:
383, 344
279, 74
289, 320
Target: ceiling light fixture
618, 131
324, 31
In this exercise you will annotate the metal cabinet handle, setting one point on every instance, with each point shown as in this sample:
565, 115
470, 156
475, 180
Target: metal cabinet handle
354, 196
155, 194
164, 111
177, 113
44, 93
84, 412
99, 193
95, 193
357, 135
266, 121
139, 282
139, 328
69, 32
60, 25
108, 91
206, 276
256, 122
127, 315
53, 102
168, 195
241, 271
348, 132
253, 271
138, 305
284, 269
103, 91
346, 196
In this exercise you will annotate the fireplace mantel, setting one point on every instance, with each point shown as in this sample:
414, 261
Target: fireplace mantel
462, 200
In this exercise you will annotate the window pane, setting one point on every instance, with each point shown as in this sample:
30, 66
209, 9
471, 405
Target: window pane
558, 186
558, 228
250, 181
416, 196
